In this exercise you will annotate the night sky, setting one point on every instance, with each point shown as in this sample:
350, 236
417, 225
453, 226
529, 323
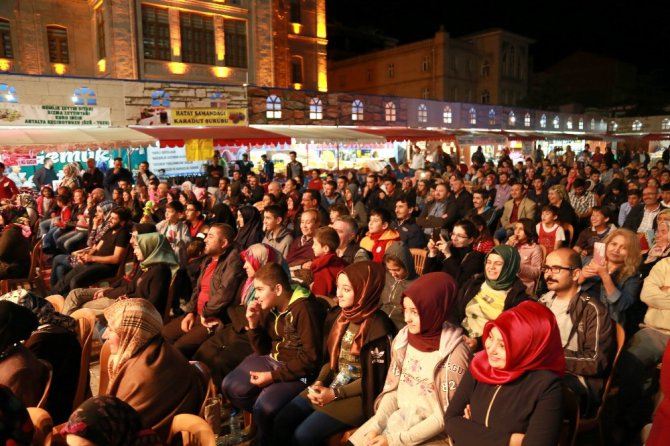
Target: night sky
633, 31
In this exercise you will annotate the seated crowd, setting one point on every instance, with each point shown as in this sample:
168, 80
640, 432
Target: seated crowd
426, 305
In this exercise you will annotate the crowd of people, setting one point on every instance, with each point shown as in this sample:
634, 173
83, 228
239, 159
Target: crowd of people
428, 303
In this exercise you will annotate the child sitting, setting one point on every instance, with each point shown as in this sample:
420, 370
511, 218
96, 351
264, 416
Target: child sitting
379, 234
287, 348
550, 233
326, 264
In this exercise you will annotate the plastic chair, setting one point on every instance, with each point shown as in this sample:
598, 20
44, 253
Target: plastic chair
43, 426
194, 431
202, 368
47, 384
33, 280
86, 319
57, 301
419, 256
588, 424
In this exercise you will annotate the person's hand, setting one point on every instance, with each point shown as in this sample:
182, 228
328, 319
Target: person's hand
516, 439
320, 395
260, 379
307, 265
467, 414
512, 240
187, 322
379, 440
253, 314
370, 436
100, 293
470, 342
86, 258
594, 269
443, 246
209, 322
432, 248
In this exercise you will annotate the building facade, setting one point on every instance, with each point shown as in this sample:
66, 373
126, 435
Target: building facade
490, 67
262, 42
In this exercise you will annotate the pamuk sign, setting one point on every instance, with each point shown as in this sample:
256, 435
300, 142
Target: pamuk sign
53, 115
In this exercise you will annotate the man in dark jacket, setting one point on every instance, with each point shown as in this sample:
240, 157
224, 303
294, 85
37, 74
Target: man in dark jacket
45, 175
642, 217
220, 278
585, 326
410, 233
372, 192
117, 174
93, 178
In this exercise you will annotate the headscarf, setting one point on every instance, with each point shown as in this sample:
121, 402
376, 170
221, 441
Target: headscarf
252, 231
16, 324
221, 213
95, 236
144, 228
136, 322
16, 428
156, 250
258, 255
16, 215
532, 342
432, 295
107, 421
42, 309
367, 280
510, 269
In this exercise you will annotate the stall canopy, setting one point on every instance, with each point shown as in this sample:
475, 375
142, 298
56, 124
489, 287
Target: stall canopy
222, 136
24, 139
407, 134
316, 134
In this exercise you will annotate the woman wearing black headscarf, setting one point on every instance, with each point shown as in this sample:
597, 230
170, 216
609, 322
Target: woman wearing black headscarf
221, 213
55, 341
250, 227
20, 370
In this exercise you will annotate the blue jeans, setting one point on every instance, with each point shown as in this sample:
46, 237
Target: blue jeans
264, 402
59, 268
70, 241
49, 240
300, 425
44, 226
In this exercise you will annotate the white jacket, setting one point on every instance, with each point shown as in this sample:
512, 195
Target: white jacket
658, 313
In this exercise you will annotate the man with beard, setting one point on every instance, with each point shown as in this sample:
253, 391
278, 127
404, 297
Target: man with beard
102, 260
585, 327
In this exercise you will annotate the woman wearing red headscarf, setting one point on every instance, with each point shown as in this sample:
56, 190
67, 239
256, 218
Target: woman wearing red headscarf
344, 392
512, 393
428, 361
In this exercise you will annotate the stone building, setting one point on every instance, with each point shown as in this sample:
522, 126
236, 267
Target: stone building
262, 42
489, 67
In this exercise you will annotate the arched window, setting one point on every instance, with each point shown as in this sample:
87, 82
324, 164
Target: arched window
526, 120
160, 98
58, 47
389, 112
486, 97
603, 126
593, 124
581, 124
486, 69
568, 124
447, 115
614, 126
637, 125
665, 124
8, 94
473, 116
543, 121
492, 117
511, 119
422, 113
357, 110
315, 108
84, 96
6, 51
557, 122
273, 107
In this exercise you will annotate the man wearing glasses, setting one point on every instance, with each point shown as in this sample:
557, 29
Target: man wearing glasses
586, 328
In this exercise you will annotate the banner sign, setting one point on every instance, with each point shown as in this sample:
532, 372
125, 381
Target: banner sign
208, 117
173, 161
54, 115
19, 160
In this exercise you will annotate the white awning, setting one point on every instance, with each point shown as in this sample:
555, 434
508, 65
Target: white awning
315, 134
23, 139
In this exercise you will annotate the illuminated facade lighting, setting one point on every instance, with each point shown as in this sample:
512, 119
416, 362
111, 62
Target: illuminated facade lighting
59, 68
177, 67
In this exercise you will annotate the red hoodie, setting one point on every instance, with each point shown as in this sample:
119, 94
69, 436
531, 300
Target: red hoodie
324, 272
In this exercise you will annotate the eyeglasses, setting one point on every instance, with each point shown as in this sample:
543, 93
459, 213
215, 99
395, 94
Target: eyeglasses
453, 234
555, 269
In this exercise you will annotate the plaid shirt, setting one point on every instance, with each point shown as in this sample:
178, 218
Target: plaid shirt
582, 204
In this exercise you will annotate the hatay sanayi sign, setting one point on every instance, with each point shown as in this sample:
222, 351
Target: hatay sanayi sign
54, 115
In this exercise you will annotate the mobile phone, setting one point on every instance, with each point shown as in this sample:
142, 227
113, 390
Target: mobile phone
311, 389
599, 253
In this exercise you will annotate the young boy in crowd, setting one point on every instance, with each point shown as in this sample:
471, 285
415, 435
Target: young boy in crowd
175, 230
285, 331
550, 234
379, 234
58, 223
326, 264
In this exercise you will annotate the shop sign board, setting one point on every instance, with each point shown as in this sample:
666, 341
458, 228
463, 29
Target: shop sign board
208, 117
54, 115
